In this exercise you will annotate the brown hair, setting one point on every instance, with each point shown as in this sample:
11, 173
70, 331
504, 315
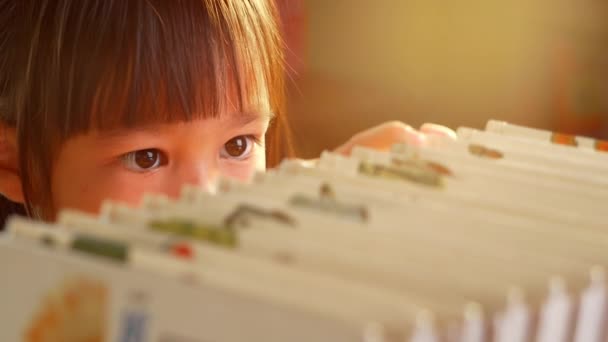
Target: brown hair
69, 66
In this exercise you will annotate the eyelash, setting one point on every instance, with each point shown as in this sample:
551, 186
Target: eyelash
130, 162
252, 142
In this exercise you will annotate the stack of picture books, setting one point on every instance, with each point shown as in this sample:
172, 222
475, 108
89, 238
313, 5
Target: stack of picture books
499, 236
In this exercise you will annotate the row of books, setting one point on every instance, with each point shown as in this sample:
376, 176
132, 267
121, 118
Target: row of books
499, 236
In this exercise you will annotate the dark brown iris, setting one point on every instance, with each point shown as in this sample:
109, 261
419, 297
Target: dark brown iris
236, 147
147, 159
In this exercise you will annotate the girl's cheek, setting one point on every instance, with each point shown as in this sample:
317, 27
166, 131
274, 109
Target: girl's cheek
243, 171
88, 195
129, 188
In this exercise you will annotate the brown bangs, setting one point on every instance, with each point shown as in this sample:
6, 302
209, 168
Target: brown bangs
113, 64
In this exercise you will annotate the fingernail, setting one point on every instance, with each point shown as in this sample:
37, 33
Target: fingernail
415, 138
429, 128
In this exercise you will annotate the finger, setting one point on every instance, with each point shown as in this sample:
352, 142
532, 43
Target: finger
306, 162
383, 137
434, 129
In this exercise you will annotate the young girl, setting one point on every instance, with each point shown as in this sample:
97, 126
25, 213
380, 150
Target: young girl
108, 99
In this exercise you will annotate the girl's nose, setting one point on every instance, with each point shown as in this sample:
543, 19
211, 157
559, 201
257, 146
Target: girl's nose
204, 175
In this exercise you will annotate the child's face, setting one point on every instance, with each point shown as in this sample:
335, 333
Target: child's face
123, 165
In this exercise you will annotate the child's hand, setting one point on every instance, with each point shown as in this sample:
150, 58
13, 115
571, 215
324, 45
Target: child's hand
384, 136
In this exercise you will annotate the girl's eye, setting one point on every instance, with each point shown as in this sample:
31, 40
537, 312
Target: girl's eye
238, 148
144, 160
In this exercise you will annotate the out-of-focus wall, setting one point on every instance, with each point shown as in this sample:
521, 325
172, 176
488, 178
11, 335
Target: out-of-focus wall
457, 63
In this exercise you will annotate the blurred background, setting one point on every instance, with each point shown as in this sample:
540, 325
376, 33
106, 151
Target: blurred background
356, 63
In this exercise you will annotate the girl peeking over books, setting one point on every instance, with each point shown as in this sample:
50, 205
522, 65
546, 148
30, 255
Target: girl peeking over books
109, 99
